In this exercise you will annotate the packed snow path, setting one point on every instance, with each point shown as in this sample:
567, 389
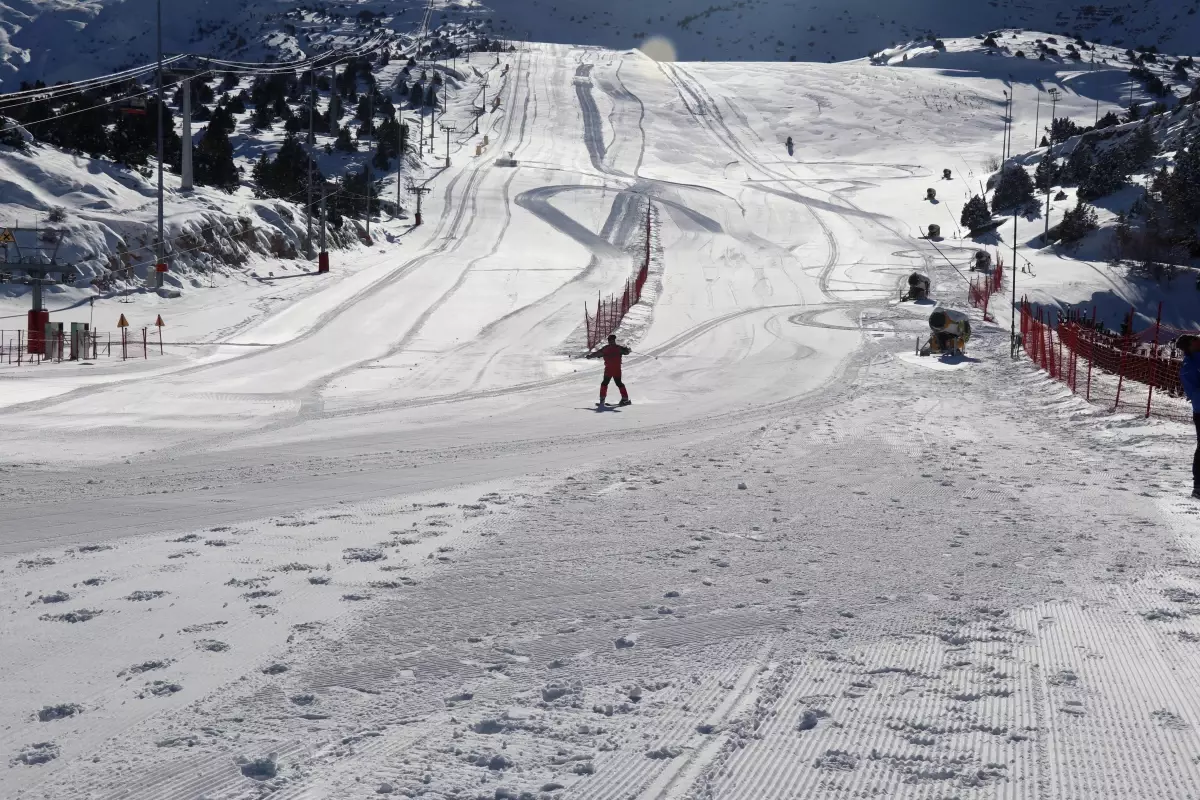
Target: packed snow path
396, 552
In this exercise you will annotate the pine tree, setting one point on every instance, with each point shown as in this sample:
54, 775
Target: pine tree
1046, 174
1079, 163
1110, 173
213, 161
287, 175
1061, 129
344, 143
1141, 146
975, 214
1077, 223
1013, 189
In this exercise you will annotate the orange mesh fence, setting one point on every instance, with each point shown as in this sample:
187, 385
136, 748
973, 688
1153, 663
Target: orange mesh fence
610, 312
981, 288
1129, 371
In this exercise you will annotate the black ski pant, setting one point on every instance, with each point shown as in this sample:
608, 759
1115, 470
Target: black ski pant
1196, 457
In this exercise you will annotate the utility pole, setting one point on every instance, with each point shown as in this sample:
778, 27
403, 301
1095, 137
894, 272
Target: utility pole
449, 129
399, 154
1004, 136
160, 265
367, 165
323, 256
418, 191
1037, 118
1012, 326
1053, 92
482, 106
1046, 235
185, 155
312, 140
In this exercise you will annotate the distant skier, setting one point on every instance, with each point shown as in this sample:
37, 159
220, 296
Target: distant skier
612, 354
790, 146
1189, 376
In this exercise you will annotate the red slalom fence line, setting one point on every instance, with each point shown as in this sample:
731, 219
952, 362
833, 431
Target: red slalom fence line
981, 288
610, 312
1130, 371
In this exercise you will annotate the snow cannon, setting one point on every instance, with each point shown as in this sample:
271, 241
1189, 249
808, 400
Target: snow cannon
918, 287
982, 262
931, 194
950, 332
935, 232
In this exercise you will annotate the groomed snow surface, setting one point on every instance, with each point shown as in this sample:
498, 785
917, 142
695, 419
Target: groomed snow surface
379, 542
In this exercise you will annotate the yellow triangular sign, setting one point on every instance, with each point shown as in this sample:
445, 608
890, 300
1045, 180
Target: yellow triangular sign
6, 237
158, 322
122, 322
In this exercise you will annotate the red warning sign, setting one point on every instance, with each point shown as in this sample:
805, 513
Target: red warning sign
158, 322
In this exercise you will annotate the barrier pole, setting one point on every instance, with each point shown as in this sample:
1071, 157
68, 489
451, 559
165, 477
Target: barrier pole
124, 344
1153, 359
145, 348
1075, 362
1120, 376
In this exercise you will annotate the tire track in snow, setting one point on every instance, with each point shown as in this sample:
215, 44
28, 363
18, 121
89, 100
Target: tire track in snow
708, 116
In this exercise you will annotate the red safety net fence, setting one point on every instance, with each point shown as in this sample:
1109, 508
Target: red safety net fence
982, 287
610, 312
1135, 371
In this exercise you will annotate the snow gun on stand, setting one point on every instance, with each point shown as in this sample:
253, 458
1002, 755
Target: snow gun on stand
918, 288
949, 333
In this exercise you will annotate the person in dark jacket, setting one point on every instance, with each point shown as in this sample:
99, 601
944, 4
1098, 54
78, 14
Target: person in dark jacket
1189, 376
612, 354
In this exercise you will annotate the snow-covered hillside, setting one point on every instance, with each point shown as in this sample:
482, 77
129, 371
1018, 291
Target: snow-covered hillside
102, 35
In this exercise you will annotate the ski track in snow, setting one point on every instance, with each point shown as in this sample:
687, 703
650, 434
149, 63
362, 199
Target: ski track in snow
799, 566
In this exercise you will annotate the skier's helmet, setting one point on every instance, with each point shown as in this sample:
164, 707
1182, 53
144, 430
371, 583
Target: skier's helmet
612, 338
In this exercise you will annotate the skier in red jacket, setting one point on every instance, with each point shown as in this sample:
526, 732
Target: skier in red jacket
612, 353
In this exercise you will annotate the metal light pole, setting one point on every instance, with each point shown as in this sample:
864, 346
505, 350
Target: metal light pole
1046, 234
160, 265
367, 166
449, 129
1012, 326
1037, 118
1053, 110
399, 154
312, 140
1004, 135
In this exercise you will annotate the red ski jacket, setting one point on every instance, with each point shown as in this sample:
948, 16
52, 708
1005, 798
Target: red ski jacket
611, 353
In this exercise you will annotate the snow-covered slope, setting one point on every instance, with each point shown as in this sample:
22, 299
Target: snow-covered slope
54, 40
376, 541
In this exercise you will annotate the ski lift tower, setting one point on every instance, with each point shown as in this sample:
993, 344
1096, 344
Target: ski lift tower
38, 263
